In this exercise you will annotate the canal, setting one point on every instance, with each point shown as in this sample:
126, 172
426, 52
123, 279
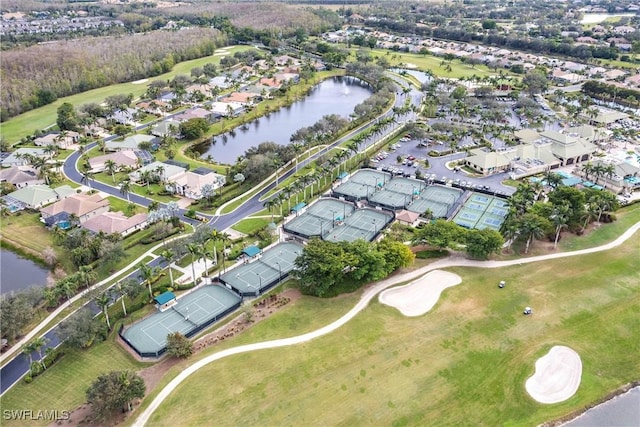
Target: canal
338, 95
17, 273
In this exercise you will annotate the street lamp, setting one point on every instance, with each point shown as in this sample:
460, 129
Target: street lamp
333, 217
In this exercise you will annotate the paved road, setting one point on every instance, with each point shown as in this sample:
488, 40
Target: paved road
11, 372
368, 295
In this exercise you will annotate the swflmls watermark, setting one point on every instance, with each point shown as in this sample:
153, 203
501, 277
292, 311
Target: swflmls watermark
35, 415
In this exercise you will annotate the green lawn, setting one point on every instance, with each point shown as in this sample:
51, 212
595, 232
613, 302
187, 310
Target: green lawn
63, 386
626, 217
465, 363
251, 225
429, 62
26, 123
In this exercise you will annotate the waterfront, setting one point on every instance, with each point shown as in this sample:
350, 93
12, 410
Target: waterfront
17, 273
338, 95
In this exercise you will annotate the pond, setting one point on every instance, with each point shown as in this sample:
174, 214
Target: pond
17, 273
338, 95
623, 410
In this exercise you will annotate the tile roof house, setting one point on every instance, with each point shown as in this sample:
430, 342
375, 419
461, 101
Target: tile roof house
124, 158
83, 206
61, 140
116, 222
20, 176
189, 184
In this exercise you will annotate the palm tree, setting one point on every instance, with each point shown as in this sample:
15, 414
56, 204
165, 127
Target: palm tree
531, 227
86, 275
194, 250
28, 350
169, 256
560, 218
122, 291
125, 188
269, 204
111, 167
553, 179
87, 176
103, 300
147, 274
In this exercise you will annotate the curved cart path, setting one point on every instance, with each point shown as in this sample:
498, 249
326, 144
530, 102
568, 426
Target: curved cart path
368, 295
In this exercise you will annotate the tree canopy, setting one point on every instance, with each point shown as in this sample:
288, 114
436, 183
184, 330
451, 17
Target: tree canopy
115, 390
328, 268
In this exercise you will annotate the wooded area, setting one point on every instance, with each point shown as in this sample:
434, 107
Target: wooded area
37, 75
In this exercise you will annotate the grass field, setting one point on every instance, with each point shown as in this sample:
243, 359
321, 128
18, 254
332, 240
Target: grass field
40, 118
429, 62
251, 225
63, 386
464, 363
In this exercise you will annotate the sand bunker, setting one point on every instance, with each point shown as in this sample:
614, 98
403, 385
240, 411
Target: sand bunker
410, 65
419, 296
557, 376
139, 82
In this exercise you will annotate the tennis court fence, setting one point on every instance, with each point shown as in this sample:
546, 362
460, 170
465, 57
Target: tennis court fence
192, 332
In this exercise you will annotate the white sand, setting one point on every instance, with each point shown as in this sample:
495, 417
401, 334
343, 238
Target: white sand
557, 376
410, 65
419, 296
139, 82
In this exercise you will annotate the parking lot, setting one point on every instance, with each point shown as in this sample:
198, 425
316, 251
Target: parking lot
413, 158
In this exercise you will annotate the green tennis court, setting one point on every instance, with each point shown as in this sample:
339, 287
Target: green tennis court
482, 211
320, 218
192, 313
363, 224
361, 184
259, 275
436, 198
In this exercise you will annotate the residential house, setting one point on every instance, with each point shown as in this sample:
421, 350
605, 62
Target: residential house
155, 107
20, 176
195, 113
36, 196
129, 143
116, 222
19, 156
122, 159
189, 184
220, 81
226, 109
244, 98
270, 82
60, 140
165, 171
82, 206
614, 74
165, 128
124, 116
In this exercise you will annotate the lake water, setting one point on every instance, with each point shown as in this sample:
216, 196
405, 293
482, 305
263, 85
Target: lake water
338, 95
596, 18
18, 273
621, 411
